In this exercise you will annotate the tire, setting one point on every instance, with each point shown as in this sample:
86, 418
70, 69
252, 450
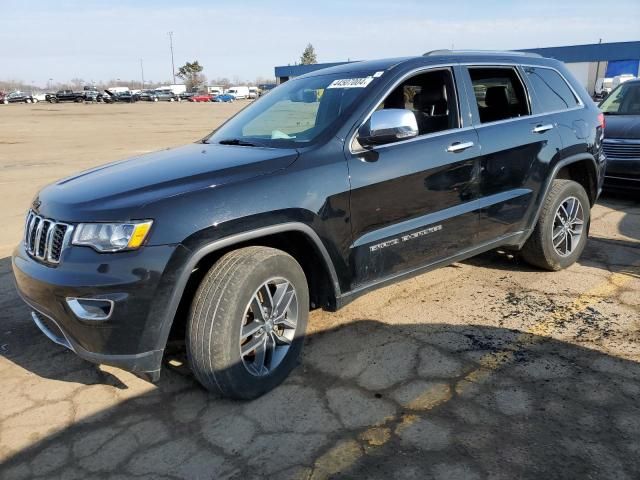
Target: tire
551, 246
171, 100
155, 99
222, 306
28, 100
5, 101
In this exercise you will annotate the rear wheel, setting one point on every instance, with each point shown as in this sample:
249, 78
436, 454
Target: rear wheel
561, 232
247, 322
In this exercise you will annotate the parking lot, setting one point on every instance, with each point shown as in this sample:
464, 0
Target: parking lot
484, 369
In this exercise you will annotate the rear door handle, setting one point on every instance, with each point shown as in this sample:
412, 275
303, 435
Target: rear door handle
542, 128
459, 146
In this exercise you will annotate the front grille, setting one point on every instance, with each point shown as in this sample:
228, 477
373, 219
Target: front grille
622, 149
45, 239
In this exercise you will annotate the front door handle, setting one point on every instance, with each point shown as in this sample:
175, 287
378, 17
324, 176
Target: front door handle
459, 146
542, 128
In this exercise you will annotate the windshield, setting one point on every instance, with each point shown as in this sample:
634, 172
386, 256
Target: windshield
624, 100
295, 113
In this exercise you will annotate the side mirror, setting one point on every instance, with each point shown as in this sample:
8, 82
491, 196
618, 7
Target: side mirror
388, 126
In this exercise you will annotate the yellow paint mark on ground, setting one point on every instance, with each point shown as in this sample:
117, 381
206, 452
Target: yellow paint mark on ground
405, 422
339, 458
430, 398
376, 436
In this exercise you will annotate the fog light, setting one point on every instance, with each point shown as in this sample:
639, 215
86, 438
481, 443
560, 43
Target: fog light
94, 309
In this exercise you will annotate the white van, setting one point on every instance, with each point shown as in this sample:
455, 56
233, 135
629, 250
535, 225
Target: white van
238, 92
254, 92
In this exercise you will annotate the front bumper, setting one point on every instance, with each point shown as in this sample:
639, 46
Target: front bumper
131, 337
622, 174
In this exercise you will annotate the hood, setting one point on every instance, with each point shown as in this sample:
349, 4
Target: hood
622, 126
116, 191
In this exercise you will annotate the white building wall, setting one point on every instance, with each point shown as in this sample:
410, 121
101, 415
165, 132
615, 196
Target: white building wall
586, 73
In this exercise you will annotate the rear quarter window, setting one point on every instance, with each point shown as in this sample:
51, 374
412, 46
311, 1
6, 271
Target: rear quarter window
551, 89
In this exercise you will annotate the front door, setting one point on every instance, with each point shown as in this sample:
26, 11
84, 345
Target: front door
412, 201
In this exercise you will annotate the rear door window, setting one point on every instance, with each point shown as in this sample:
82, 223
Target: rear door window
551, 90
499, 93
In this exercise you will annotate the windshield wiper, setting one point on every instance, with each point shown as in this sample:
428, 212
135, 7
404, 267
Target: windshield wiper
237, 141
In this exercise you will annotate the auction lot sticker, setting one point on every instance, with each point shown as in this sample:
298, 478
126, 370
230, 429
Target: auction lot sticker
351, 82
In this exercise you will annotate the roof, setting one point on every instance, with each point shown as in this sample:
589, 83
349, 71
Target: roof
440, 57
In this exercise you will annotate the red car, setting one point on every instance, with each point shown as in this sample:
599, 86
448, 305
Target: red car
202, 97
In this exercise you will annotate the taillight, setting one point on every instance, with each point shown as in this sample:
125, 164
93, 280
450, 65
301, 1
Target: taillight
601, 120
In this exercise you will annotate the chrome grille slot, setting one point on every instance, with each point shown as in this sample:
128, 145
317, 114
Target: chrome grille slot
621, 150
44, 238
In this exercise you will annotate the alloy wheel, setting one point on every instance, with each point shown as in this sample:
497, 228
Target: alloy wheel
269, 326
568, 226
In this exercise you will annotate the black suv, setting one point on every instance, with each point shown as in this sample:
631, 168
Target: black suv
336, 183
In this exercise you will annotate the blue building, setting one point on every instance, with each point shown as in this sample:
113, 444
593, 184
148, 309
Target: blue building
586, 62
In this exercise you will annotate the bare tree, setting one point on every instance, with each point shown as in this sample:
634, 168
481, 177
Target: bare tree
191, 74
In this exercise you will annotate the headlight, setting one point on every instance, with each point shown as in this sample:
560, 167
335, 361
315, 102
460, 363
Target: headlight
112, 237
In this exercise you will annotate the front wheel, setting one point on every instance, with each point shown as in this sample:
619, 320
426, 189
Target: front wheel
247, 322
561, 232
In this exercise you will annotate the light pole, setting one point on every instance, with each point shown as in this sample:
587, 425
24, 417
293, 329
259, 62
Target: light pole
49, 84
142, 73
173, 67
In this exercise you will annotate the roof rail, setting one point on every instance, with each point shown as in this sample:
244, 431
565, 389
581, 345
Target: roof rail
479, 52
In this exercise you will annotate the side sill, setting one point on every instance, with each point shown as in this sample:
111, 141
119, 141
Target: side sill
348, 297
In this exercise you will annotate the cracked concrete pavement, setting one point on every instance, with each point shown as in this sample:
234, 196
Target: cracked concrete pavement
484, 369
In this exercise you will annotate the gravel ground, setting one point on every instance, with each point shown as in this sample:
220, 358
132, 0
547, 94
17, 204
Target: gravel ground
484, 369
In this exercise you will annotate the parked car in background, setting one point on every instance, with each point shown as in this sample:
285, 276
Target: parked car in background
622, 137
39, 97
254, 92
377, 171
93, 96
148, 96
165, 96
120, 97
238, 92
186, 95
225, 97
16, 97
202, 97
176, 88
65, 96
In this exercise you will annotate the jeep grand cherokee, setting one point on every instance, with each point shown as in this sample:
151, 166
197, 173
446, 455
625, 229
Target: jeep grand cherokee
336, 183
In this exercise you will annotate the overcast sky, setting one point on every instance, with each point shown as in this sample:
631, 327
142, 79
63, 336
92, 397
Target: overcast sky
103, 40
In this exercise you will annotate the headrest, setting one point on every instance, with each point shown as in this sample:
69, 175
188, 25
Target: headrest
428, 97
496, 97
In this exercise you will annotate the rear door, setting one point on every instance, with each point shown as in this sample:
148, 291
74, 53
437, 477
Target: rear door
516, 146
556, 99
412, 200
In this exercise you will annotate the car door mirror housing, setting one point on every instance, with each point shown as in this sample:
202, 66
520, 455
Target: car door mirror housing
387, 126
